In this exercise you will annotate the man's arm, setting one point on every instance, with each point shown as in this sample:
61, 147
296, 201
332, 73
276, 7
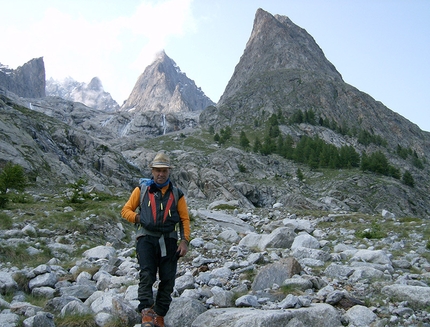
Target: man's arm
129, 210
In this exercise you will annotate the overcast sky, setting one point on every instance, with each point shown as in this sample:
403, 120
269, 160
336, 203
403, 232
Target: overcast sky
382, 47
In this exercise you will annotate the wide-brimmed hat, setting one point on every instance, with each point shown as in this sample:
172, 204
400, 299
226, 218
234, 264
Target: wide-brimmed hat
161, 160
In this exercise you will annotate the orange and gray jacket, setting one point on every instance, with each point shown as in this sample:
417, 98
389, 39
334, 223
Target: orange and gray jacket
159, 213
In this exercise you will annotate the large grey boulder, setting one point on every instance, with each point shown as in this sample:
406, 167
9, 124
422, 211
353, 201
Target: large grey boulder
360, 316
183, 311
417, 296
82, 292
100, 252
281, 237
9, 320
276, 273
7, 283
316, 315
47, 279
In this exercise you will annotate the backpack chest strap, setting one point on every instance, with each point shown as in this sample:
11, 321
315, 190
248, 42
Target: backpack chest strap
166, 210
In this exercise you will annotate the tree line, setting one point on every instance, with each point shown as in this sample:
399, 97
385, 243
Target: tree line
315, 152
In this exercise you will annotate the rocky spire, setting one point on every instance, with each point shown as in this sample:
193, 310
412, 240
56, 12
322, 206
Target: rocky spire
283, 71
164, 88
276, 44
26, 81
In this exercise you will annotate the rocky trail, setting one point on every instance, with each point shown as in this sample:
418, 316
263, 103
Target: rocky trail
260, 267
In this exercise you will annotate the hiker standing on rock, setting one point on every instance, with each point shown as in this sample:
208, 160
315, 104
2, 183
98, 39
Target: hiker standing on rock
162, 208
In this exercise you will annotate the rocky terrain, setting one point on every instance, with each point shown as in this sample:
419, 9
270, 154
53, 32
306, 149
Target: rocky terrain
245, 266
276, 240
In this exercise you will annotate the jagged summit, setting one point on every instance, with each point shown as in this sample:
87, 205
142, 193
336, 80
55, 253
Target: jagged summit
95, 84
92, 95
277, 45
162, 87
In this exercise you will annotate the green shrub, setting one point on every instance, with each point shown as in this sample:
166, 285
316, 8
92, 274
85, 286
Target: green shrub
11, 177
373, 232
20, 198
408, 179
300, 175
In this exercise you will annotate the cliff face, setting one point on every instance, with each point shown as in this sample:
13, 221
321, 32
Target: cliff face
163, 88
27, 80
283, 70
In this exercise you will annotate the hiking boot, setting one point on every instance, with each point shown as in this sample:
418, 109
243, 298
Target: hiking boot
148, 316
159, 321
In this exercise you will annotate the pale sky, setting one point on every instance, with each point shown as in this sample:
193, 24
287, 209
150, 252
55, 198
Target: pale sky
382, 47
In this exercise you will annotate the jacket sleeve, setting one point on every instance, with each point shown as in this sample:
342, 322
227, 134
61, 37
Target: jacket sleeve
184, 225
129, 210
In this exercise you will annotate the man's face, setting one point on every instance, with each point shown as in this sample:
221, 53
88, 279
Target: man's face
160, 175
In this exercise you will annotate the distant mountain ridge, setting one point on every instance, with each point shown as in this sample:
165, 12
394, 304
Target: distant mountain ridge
92, 94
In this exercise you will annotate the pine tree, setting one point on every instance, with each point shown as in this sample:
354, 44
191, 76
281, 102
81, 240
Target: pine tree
243, 140
408, 179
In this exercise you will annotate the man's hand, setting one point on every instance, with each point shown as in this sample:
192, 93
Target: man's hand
182, 248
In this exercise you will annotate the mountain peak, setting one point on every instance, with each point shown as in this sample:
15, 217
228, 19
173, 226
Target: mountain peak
162, 87
283, 71
291, 46
27, 80
95, 84
276, 44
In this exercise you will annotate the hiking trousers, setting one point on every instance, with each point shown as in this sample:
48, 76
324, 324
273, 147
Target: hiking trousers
150, 262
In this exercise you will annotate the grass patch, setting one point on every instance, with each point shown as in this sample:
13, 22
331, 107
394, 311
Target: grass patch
84, 320
6, 221
20, 198
224, 207
19, 256
22, 280
291, 289
8, 297
38, 301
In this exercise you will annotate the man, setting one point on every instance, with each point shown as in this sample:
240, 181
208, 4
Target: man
162, 208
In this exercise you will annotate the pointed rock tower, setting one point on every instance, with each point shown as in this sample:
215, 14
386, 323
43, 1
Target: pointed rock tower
165, 89
277, 46
283, 70
26, 81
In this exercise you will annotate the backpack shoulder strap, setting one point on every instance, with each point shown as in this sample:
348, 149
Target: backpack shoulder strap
175, 191
143, 190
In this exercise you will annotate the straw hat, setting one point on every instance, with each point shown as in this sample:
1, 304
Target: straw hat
161, 160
